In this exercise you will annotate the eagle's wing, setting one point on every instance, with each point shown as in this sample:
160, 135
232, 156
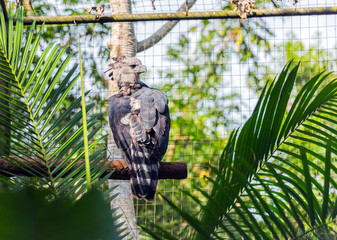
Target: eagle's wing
119, 108
155, 116
154, 121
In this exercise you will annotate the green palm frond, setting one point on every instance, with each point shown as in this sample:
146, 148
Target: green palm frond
33, 87
265, 136
275, 178
291, 198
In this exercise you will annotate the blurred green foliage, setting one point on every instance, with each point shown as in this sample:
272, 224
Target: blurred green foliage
33, 214
314, 58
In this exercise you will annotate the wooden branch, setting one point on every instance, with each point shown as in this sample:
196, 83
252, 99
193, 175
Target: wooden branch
163, 31
256, 13
167, 170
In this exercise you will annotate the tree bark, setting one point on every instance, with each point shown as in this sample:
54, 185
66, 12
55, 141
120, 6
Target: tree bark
122, 43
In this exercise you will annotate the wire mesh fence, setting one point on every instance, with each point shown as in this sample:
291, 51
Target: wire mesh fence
211, 70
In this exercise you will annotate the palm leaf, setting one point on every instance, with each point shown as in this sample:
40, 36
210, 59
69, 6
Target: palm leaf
259, 140
34, 99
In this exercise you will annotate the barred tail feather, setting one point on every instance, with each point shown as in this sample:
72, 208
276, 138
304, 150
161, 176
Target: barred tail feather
144, 175
154, 180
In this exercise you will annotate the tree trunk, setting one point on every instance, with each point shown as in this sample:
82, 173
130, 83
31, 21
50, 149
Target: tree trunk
122, 43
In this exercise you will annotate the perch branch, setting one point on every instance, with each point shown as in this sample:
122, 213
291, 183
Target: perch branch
163, 31
167, 170
257, 13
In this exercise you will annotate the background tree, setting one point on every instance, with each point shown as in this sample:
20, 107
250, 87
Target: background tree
314, 58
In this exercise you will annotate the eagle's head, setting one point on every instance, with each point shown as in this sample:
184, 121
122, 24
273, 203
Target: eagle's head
126, 71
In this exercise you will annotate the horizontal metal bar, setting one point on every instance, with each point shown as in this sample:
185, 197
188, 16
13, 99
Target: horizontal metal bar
257, 13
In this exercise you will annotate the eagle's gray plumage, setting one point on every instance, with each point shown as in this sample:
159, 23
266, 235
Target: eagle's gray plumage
140, 122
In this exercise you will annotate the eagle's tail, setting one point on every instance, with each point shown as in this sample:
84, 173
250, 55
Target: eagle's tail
144, 175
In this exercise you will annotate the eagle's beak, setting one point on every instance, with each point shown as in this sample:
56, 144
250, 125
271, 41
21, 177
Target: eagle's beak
140, 69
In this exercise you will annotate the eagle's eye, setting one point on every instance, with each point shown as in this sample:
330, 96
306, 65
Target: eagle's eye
133, 65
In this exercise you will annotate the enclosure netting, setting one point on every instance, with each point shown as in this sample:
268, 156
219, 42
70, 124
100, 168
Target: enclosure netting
211, 70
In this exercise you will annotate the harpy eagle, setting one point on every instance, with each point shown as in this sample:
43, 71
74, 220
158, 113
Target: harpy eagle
140, 123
